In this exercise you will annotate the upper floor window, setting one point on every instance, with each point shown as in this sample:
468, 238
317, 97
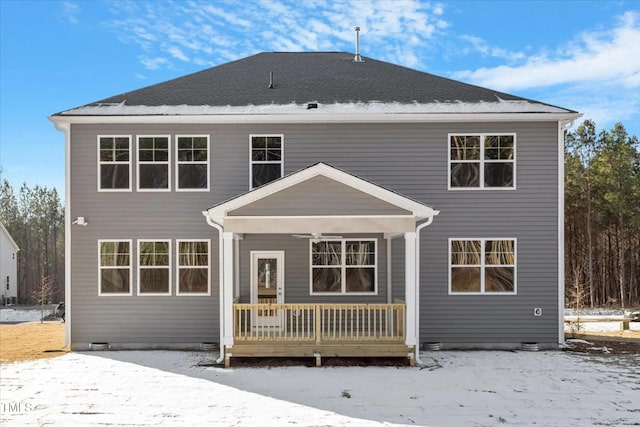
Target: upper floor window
343, 266
192, 165
153, 163
266, 159
115, 267
482, 266
114, 163
482, 161
154, 267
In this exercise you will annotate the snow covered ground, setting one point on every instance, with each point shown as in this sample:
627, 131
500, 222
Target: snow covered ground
475, 388
21, 315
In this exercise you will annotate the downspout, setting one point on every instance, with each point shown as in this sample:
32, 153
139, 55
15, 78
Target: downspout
220, 284
417, 298
66, 129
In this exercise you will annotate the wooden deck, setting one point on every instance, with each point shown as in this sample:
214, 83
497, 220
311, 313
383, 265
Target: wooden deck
318, 330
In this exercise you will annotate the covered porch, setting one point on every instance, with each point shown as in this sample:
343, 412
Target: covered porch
332, 297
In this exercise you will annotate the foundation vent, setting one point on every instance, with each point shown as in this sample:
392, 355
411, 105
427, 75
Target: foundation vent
529, 346
432, 346
99, 346
208, 346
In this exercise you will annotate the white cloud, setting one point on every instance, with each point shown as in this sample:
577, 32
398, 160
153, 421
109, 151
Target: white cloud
70, 12
611, 56
154, 63
177, 53
229, 17
480, 46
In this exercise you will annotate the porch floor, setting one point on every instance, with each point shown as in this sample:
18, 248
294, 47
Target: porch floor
312, 349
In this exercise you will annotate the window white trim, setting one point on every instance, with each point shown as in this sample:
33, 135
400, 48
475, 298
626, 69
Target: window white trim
100, 163
101, 268
272, 162
199, 162
140, 267
481, 161
483, 265
343, 267
140, 162
208, 266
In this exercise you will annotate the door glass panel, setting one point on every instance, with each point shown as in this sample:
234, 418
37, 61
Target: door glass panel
267, 280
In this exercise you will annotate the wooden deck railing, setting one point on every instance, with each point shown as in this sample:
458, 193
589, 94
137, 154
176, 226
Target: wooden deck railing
319, 323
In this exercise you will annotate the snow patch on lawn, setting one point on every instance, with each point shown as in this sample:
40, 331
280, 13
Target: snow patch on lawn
13, 315
145, 388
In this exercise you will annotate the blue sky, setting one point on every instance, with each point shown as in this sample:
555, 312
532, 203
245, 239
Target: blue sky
55, 55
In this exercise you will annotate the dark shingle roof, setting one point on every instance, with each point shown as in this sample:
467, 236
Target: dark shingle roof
324, 77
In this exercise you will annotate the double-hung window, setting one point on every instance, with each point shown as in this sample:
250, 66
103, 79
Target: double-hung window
154, 267
193, 267
114, 163
114, 267
192, 163
153, 163
482, 161
482, 266
266, 163
343, 266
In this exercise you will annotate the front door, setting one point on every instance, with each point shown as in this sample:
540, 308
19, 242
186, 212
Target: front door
267, 287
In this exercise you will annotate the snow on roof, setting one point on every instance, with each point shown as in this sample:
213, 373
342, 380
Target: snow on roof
458, 107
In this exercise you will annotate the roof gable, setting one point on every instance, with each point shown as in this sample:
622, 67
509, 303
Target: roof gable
387, 201
319, 195
12, 242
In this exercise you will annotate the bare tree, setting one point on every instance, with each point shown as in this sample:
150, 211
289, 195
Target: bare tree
43, 294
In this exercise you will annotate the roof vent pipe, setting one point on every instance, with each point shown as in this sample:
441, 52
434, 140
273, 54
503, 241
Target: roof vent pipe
358, 58
271, 85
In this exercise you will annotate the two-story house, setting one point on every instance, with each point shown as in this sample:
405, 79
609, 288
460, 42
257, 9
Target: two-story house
310, 204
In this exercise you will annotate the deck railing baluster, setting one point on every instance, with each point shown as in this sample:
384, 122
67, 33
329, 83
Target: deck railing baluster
319, 322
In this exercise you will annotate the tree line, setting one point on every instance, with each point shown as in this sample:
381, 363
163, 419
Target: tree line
602, 217
35, 219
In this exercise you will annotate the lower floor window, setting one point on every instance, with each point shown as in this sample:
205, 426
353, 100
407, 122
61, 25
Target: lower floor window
115, 267
479, 266
343, 266
154, 267
193, 267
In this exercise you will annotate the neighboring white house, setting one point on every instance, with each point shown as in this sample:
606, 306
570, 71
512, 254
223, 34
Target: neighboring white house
8, 267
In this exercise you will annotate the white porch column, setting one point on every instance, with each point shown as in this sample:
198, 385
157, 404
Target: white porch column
410, 286
227, 284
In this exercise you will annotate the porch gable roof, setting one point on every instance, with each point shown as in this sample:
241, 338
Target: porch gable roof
378, 203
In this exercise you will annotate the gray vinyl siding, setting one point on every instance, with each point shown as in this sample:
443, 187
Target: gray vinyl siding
410, 159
